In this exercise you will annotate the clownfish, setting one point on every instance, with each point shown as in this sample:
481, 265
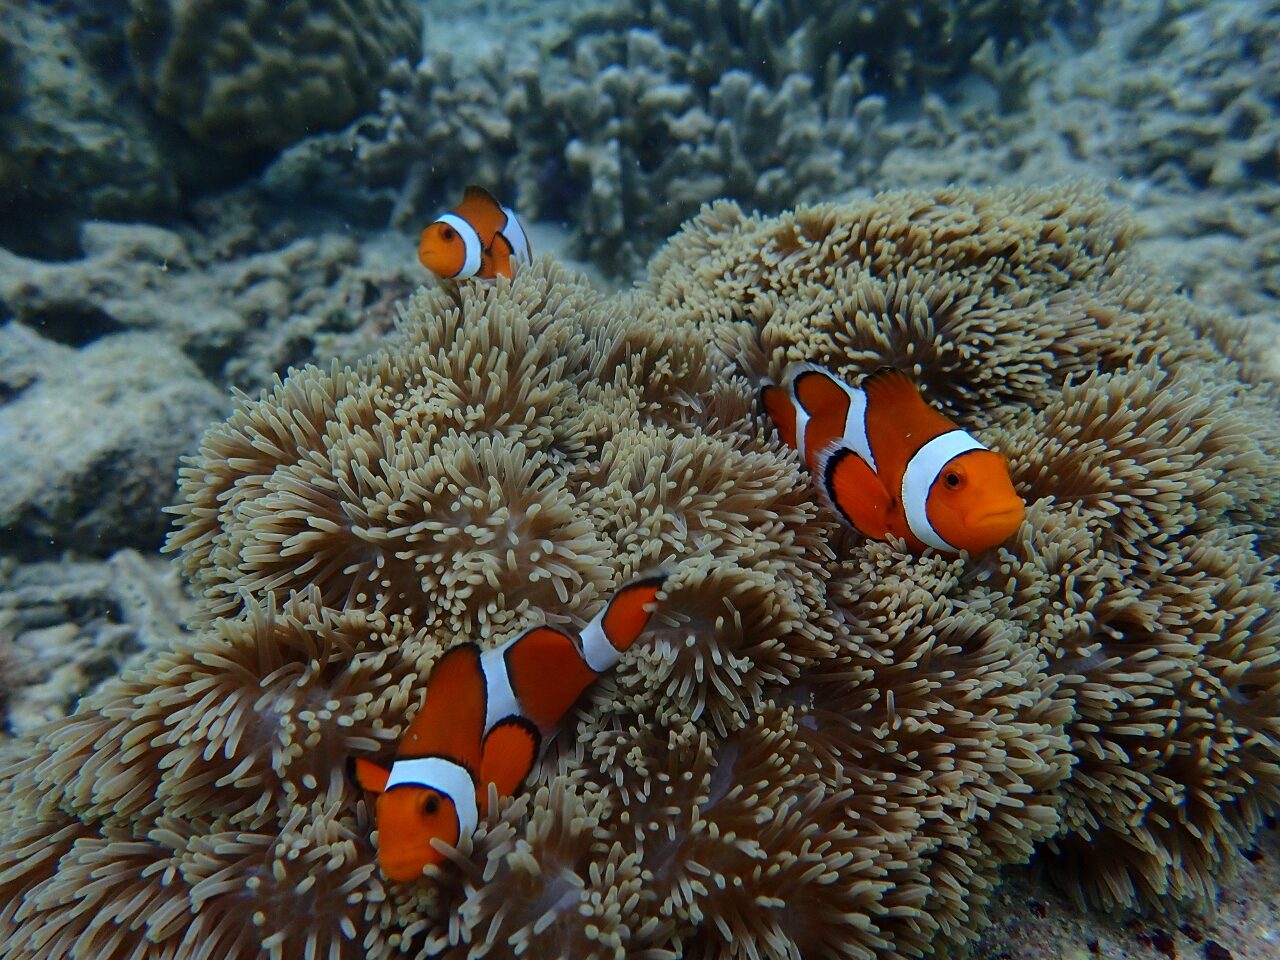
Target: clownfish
888, 463
478, 238
483, 720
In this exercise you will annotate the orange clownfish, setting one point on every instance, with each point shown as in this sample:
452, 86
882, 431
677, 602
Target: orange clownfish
478, 238
889, 463
482, 721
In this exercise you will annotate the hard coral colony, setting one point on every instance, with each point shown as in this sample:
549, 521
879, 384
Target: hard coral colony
826, 746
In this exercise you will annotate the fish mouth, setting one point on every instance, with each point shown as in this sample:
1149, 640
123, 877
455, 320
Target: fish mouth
999, 521
402, 869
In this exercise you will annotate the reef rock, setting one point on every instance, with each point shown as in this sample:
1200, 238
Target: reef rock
67, 626
259, 313
71, 145
92, 438
256, 75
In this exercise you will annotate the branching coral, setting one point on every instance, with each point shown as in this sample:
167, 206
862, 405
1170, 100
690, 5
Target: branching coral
769, 103
824, 747
902, 44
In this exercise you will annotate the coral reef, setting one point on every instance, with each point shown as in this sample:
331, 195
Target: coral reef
70, 145
898, 45
92, 438
67, 626
1171, 111
769, 104
626, 105
281, 301
250, 75
827, 747
1200, 134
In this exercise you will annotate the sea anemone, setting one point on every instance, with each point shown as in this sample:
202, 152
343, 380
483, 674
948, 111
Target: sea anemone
824, 746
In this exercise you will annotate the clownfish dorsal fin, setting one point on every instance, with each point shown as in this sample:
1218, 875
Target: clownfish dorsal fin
826, 402
899, 422
547, 674
629, 610
891, 386
479, 194
481, 209
451, 720
816, 388
367, 774
510, 751
892, 394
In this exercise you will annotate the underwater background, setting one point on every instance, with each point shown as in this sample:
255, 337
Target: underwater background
1062, 216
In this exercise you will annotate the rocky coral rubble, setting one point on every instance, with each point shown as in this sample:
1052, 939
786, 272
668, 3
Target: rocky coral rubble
133, 110
92, 438
240, 311
1171, 109
826, 747
67, 626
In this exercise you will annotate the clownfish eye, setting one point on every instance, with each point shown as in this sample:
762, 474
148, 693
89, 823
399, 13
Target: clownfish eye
952, 479
431, 806
448, 233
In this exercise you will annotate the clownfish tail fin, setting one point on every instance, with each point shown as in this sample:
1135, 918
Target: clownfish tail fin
629, 610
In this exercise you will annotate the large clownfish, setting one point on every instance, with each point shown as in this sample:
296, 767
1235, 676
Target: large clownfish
888, 463
479, 238
482, 721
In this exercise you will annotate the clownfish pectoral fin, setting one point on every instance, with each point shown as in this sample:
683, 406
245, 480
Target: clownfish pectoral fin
451, 721
367, 774
480, 209
850, 487
780, 407
629, 611
500, 256
510, 751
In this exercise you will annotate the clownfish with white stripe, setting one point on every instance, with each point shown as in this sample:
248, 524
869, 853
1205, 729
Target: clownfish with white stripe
889, 464
483, 720
478, 238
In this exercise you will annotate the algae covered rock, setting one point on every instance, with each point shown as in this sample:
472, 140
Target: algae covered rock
254, 75
825, 747
71, 144
92, 437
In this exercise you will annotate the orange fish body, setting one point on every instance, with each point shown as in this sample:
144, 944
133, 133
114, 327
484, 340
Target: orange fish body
479, 238
483, 720
431, 789
890, 464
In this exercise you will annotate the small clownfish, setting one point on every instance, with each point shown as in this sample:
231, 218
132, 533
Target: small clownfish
482, 721
478, 238
889, 463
